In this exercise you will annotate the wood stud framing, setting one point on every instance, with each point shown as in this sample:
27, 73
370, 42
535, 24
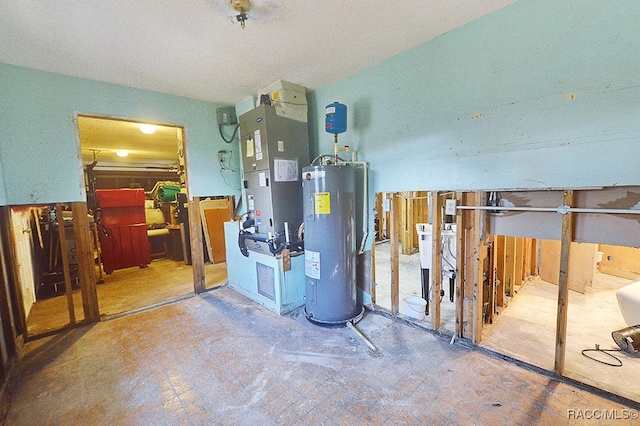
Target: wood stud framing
65, 264
460, 272
563, 285
197, 249
86, 268
395, 268
414, 209
436, 262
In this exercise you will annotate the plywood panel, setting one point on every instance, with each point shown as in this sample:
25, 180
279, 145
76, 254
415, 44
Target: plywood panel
581, 264
620, 261
214, 214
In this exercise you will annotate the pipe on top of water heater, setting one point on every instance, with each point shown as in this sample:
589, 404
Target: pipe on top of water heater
336, 123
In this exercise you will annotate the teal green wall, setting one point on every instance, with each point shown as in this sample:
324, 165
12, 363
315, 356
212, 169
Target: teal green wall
39, 154
412, 117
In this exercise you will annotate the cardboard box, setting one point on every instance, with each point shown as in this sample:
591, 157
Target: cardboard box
289, 99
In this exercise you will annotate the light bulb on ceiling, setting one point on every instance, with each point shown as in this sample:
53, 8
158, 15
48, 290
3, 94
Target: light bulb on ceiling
148, 129
122, 152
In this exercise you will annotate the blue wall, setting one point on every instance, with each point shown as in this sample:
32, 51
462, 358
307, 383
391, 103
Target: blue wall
39, 153
486, 106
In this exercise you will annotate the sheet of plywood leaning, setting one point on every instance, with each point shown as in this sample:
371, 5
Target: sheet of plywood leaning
214, 213
582, 264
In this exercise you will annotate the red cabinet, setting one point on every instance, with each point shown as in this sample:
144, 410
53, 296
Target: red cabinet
123, 229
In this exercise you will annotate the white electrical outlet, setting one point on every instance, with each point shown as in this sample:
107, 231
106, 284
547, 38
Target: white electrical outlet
450, 207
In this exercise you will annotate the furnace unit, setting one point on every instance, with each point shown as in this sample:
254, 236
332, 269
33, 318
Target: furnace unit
274, 150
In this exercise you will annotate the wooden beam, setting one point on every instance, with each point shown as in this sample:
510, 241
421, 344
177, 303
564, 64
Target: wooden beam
509, 264
403, 219
86, 267
460, 272
395, 266
197, 250
492, 273
519, 258
499, 242
534, 271
563, 285
468, 266
380, 213
5, 291
65, 264
478, 280
15, 290
526, 264
436, 261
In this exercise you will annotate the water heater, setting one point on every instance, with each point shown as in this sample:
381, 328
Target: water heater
330, 244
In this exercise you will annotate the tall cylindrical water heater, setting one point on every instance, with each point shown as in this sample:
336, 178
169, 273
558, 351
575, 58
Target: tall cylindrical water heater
330, 244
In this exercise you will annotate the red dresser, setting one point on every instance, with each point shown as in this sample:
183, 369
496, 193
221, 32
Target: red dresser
123, 230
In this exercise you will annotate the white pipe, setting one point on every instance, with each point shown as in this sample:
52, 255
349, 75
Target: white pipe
365, 203
560, 209
364, 339
286, 232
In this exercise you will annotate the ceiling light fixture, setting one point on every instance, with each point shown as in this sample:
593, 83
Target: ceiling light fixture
122, 152
148, 129
242, 7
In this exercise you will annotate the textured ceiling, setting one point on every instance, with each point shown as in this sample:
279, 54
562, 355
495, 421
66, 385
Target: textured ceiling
191, 48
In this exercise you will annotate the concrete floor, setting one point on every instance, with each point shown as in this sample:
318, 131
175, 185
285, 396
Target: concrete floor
126, 290
410, 285
219, 358
526, 331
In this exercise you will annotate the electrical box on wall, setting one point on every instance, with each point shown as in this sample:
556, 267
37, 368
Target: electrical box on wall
450, 207
226, 115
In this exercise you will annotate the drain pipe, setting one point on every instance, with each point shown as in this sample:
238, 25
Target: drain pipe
361, 336
365, 203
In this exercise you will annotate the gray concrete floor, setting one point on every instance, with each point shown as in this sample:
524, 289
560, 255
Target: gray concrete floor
219, 358
525, 330
126, 290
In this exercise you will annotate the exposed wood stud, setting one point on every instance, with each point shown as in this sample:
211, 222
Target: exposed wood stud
460, 272
509, 265
65, 264
197, 249
395, 268
86, 267
478, 281
500, 275
9, 243
436, 261
563, 285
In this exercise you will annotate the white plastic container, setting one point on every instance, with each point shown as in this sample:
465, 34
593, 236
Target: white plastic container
415, 307
629, 302
425, 235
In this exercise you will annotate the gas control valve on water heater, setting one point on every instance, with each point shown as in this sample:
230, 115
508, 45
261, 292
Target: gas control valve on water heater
330, 244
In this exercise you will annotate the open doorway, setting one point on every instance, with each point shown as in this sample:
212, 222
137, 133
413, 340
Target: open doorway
135, 176
413, 225
526, 279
